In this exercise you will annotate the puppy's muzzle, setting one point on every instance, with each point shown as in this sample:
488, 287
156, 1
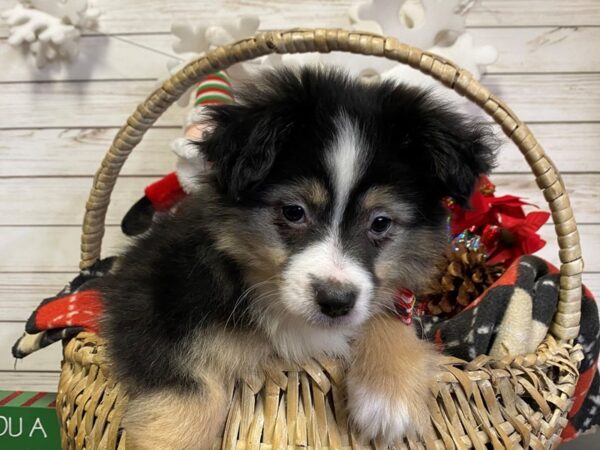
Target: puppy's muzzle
334, 299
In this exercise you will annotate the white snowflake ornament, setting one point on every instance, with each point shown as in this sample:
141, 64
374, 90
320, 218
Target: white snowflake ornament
415, 22
190, 38
49, 29
467, 55
74, 12
434, 25
463, 52
194, 40
231, 31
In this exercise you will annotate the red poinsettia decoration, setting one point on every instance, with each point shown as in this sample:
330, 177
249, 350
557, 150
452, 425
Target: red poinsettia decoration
505, 230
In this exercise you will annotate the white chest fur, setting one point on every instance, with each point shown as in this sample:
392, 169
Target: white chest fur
296, 340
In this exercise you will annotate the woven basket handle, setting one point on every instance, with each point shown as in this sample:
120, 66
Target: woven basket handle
565, 324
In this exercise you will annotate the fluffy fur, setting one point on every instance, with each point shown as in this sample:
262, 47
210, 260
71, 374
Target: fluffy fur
231, 278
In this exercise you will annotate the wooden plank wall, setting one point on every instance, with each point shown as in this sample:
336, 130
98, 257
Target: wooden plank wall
55, 125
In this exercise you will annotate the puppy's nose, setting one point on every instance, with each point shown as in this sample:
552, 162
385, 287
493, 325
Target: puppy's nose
334, 299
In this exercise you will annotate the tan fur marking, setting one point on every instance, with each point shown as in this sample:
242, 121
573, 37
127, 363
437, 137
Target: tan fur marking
167, 420
393, 363
231, 354
385, 270
378, 197
419, 252
315, 193
255, 253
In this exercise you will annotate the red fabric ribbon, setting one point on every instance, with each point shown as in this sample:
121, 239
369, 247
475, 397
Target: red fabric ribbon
404, 300
79, 309
164, 193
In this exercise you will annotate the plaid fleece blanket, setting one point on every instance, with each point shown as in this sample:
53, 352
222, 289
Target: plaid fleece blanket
510, 317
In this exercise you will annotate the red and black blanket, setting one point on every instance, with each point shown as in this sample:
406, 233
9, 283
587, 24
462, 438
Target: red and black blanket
511, 316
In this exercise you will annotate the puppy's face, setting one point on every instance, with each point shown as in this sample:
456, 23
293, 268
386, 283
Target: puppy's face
344, 227
332, 191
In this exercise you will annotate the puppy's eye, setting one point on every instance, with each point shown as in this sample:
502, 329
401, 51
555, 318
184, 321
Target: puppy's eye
293, 213
380, 225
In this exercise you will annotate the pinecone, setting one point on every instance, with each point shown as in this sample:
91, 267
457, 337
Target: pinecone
463, 275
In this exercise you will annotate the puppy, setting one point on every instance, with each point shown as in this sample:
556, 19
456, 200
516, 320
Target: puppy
324, 198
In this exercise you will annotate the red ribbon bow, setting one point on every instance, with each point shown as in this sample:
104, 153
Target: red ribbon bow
505, 230
516, 237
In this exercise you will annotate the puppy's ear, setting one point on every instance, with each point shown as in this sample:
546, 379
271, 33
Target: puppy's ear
243, 145
458, 152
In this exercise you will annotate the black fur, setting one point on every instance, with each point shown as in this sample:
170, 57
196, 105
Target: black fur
170, 282
415, 137
174, 280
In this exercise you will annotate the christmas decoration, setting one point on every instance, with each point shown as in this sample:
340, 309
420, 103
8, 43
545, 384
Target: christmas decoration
464, 274
418, 22
463, 52
194, 40
163, 194
404, 301
212, 90
49, 29
485, 208
437, 26
515, 237
490, 234
506, 231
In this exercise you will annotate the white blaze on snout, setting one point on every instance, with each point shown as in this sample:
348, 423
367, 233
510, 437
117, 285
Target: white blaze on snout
325, 260
345, 163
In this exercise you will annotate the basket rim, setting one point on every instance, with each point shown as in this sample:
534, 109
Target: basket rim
87, 348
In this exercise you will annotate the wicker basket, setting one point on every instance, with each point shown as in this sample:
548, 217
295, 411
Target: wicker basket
516, 402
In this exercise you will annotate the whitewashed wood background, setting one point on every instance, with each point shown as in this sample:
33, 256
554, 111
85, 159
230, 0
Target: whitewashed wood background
55, 125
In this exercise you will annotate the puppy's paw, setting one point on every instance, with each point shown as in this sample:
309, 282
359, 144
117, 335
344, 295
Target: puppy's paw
378, 416
389, 382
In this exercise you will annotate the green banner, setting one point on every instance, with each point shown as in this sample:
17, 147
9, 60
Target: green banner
28, 421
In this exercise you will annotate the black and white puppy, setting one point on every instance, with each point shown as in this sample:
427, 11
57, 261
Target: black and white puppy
325, 197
